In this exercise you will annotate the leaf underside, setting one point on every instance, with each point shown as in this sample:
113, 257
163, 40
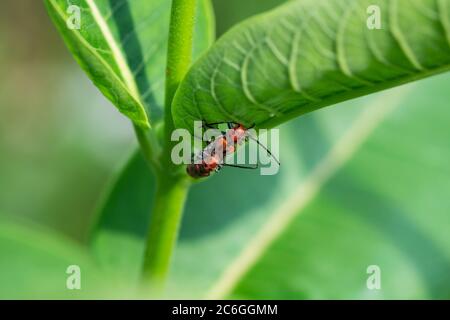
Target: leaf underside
309, 54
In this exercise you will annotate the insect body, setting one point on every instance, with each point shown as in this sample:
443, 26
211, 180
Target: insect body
212, 157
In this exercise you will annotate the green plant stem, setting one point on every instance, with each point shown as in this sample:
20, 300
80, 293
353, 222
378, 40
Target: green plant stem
149, 147
166, 216
172, 186
179, 54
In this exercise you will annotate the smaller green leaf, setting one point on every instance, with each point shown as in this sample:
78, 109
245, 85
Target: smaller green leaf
100, 56
122, 46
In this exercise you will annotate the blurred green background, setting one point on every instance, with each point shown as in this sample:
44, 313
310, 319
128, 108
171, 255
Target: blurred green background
61, 142
60, 139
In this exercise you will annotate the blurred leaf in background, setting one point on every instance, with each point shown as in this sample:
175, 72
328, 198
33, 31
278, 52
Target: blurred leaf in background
60, 142
39, 262
362, 183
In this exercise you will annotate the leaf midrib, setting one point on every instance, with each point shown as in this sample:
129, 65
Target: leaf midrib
120, 79
121, 62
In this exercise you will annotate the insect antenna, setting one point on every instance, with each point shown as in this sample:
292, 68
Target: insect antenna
265, 148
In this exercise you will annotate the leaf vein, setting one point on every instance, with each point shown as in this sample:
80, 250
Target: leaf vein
400, 37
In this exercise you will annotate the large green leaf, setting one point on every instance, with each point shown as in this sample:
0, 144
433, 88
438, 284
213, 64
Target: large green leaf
122, 47
308, 54
364, 183
34, 264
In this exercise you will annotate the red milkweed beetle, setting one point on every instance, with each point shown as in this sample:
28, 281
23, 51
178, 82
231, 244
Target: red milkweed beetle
209, 160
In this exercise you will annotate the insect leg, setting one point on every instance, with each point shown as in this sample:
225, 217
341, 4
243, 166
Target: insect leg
240, 167
211, 125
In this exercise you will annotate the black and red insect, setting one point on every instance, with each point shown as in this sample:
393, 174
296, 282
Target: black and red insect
209, 160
